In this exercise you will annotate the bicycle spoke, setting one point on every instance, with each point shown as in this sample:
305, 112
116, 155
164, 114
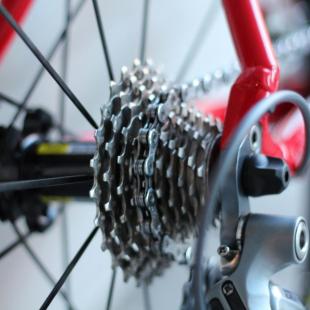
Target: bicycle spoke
47, 66
13, 245
64, 67
49, 56
146, 297
102, 38
203, 29
42, 183
111, 290
146, 5
62, 111
68, 270
38, 262
11, 101
65, 246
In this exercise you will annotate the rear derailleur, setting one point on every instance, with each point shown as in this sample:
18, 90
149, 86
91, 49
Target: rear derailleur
253, 246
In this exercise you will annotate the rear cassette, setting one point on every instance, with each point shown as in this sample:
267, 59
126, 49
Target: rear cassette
151, 170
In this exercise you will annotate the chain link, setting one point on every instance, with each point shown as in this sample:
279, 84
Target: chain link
295, 44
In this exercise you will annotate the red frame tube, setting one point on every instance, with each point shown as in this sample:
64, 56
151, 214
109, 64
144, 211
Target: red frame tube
250, 35
260, 71
259, 78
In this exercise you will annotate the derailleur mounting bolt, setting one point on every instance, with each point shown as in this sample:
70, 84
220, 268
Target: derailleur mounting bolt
228, 288
223, 250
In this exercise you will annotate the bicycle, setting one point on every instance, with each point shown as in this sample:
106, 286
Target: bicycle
147, 133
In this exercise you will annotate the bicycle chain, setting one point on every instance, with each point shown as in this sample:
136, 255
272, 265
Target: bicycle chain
293, 44
147, 182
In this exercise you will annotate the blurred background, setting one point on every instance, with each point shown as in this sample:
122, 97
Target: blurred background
172, 28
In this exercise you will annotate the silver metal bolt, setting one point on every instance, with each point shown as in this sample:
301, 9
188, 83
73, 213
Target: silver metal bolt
302, 240
223, 250
255, 138
228, 289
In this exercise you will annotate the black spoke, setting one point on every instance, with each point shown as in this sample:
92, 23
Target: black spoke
111, 290
42, 183
102, 38
67, 272
64, 67
146, 5
45, 63
65, 247
14, 245
53, 50
38, 262
62, 111
146, 296
11, 101
204, 27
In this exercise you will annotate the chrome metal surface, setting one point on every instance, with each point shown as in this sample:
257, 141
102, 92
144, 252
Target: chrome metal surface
154, 153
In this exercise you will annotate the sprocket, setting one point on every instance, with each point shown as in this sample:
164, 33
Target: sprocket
151, 169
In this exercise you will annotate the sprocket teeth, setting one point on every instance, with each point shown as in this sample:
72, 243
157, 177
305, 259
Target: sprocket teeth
151, 168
